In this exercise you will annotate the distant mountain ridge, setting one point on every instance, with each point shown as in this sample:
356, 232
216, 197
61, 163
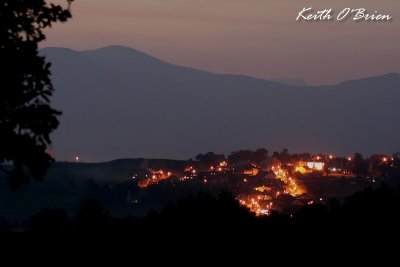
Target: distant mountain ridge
119, 102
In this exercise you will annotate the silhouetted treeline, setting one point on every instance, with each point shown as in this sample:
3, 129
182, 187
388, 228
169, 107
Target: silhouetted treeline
370, 212
376, 165
207, 229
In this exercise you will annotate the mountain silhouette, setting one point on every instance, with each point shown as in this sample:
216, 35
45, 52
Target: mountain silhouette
119, 102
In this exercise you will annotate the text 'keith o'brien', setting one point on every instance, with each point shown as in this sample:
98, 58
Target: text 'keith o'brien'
355, 14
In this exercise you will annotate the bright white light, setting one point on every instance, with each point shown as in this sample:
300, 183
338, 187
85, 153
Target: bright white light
319, 166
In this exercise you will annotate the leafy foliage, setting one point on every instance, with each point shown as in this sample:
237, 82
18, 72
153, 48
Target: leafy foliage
26, 117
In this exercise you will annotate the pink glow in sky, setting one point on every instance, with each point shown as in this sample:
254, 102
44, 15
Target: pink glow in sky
255, 37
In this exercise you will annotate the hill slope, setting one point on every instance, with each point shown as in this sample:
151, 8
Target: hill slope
118, 102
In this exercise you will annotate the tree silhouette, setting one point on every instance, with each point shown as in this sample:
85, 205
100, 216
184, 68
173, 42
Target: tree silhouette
257, 156
49, 220
92, 215
210, 158
26, 117
359, 166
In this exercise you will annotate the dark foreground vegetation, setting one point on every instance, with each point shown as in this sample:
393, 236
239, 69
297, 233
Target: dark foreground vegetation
367, 218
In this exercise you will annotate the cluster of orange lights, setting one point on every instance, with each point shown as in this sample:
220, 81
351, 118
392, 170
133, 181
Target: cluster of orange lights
156, 177
254, 206
387, 159
260, 200
191, 170
221, 166
292, 186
